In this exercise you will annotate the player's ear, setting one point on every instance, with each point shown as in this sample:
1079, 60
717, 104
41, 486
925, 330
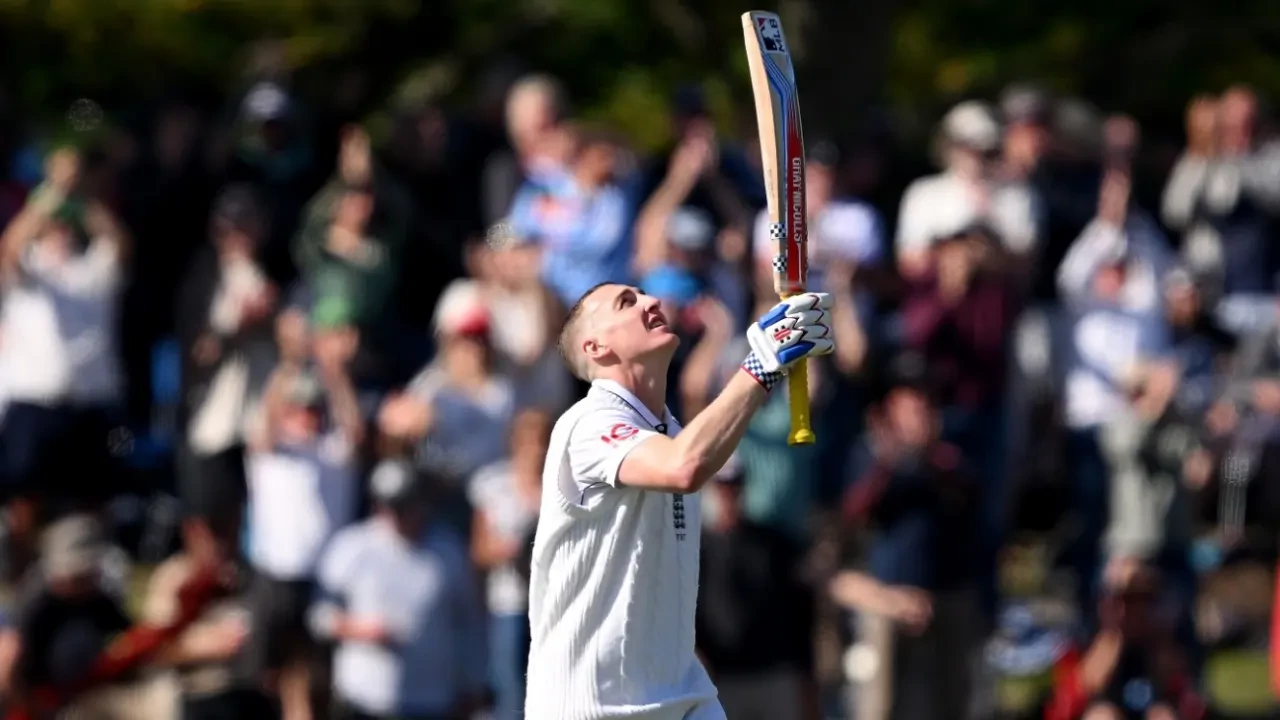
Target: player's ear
592, 349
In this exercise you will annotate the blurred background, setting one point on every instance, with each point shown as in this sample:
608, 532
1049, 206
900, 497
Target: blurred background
279, 283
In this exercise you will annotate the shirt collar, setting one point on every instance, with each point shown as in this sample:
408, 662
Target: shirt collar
631, 399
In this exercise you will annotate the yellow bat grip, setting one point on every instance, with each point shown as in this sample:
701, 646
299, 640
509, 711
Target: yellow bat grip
798, 389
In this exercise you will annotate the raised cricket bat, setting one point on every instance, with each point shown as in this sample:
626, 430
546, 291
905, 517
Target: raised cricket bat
773, 82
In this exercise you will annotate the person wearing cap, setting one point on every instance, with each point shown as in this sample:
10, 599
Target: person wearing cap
939, 205
694, 220
303, 487
457, 413
398, 596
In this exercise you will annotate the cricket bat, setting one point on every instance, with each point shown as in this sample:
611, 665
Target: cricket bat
773, 83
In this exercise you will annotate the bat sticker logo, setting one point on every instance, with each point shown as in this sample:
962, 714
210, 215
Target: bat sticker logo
771, 35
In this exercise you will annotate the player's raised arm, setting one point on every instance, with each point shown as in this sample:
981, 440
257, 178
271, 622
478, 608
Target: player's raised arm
794, 329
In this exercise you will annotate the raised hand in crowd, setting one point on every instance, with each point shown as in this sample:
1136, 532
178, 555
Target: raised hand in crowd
1202, 127
355, 157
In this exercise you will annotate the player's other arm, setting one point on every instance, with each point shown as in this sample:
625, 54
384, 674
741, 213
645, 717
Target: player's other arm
794, 329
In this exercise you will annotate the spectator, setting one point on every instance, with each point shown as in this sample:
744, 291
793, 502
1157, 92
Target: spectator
731, 183
1225, 193
459, 410
1133, 668
68, 614
755, 611
842, 231
398, 597
917, 497
940, 205
348, 252
208, 656
524, 318
580, 223
224, 319
302, 489
506, 496
674, 230
62, 265
1027, 135
1111, 281
273, 153
535, 129
959, 318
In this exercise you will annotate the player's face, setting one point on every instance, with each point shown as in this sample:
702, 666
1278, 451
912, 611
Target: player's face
627, 325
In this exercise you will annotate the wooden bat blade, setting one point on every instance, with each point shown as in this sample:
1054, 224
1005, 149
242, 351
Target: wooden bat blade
781, 146
777, 102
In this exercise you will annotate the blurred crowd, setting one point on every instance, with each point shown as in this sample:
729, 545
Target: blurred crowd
276, 398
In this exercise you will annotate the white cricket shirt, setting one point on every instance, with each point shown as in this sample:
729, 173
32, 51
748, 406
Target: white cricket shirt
614, 577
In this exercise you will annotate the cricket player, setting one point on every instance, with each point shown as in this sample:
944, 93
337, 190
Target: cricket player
615, 557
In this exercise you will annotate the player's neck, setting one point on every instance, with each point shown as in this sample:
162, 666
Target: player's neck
649, 386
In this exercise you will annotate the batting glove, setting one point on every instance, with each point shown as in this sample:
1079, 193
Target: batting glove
793, 329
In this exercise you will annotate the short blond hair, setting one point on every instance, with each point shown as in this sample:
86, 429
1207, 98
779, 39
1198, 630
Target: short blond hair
567, 343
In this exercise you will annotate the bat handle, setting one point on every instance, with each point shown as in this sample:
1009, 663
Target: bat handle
798, 396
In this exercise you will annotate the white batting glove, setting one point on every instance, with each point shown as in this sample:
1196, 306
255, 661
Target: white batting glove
795, 328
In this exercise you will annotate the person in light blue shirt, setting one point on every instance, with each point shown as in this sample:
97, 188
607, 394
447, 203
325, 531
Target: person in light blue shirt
580, 220
399, 598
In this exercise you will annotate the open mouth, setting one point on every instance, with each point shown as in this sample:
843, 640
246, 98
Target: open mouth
657, 321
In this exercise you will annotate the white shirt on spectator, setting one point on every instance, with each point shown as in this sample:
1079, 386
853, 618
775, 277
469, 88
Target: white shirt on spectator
471, 429
493, 491
614, 577
298, 498
60, 327
425, 592
1109, 339
938, 206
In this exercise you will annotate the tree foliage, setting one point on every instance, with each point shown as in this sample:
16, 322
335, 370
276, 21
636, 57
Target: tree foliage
622, 58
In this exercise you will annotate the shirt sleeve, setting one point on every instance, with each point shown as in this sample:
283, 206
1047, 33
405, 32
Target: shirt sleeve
598, 444
332, 577
913, 219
